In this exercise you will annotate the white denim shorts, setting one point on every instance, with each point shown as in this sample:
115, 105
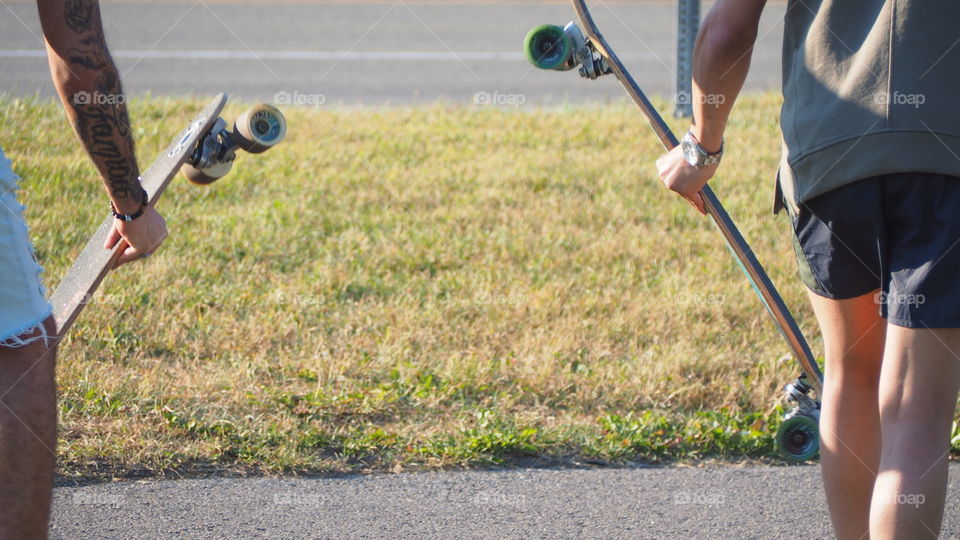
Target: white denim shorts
23, 304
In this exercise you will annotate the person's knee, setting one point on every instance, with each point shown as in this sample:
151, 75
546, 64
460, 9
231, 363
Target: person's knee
853, 373
921, 376
855, 359
914, 413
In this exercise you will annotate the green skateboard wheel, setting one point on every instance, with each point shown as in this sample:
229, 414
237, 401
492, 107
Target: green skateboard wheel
548, 47
798, 438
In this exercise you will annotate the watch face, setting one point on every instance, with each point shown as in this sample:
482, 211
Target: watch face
690, 153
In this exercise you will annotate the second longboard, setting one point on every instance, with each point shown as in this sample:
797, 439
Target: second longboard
582, 46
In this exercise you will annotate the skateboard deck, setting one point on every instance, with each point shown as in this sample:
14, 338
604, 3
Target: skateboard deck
552, 47
205, 150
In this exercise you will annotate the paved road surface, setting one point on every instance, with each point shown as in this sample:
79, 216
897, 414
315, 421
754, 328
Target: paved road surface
371, 52
716, 502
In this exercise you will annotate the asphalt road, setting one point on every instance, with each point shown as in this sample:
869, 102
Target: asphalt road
370, 53
715, 502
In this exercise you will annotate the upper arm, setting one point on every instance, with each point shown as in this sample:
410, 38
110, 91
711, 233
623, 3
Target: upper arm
76, 49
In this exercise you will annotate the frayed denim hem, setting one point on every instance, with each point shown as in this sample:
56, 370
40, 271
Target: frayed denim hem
16, 339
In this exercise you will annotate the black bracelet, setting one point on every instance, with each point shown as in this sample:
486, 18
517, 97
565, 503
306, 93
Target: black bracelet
131, 217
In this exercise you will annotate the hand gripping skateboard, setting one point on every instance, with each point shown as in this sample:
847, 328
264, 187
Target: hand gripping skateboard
204, 151
565, 48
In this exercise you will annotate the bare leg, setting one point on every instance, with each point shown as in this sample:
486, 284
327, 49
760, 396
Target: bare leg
853, 335
918, 396
28, 435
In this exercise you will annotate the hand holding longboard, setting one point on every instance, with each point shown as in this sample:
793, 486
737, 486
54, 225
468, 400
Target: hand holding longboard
205, 151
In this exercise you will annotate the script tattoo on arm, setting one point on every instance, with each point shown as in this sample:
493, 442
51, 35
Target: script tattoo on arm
98, 111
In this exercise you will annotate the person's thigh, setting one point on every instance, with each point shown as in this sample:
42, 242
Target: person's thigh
28, 416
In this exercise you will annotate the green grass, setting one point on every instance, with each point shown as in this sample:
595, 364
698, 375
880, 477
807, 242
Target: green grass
417, 288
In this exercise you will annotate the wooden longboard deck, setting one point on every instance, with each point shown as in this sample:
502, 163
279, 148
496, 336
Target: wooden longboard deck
94, 262
741, 250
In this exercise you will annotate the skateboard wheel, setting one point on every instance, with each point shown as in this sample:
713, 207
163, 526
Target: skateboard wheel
798, 438
548, 47
260, 128
208, 175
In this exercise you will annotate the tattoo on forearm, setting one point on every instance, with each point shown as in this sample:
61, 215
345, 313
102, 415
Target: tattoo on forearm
105, 132
93, 58
100, 118
79, 14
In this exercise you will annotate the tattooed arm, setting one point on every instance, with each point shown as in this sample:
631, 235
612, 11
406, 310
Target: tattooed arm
89, 86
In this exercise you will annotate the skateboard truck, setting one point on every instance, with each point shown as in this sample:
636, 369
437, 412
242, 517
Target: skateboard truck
255, 131
798, 437
549, 46
592, 65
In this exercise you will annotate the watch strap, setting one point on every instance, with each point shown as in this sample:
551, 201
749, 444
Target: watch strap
705, 158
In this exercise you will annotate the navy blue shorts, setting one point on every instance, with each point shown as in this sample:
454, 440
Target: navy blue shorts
898, 234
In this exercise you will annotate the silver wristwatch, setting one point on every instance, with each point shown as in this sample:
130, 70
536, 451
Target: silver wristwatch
697, 155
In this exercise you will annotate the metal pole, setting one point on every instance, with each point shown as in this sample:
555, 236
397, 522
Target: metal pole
688, 22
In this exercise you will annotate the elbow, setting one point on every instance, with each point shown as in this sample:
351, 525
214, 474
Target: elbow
72, 70
724, 35
59, 62
60, 70
65, 80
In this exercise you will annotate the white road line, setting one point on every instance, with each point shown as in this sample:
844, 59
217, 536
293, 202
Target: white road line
426, 56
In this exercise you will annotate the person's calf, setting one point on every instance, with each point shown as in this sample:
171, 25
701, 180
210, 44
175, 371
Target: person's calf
918, 394
849, 455
853, 335
910, 490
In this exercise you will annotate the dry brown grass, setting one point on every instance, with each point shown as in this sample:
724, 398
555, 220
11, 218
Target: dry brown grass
387, 283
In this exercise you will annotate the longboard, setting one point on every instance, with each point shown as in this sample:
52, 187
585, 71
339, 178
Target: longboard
583, 46
205, 151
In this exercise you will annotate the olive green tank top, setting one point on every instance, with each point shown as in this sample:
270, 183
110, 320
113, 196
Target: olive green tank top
870, 87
